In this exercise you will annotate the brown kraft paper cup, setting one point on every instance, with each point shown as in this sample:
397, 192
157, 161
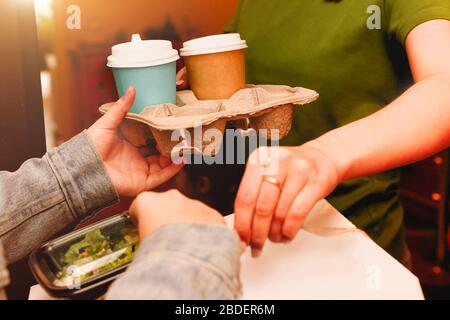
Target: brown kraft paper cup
217, 75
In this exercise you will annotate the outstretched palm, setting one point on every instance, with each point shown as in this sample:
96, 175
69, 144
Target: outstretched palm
130, 172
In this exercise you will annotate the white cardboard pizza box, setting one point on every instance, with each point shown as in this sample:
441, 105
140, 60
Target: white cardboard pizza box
331, 263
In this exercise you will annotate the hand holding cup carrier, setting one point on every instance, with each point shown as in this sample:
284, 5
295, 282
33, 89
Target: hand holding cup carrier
216, 71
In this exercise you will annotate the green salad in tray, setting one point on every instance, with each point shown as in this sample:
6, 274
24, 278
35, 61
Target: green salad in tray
97, 252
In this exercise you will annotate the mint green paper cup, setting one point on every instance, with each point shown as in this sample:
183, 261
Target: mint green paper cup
150, 67
154, 85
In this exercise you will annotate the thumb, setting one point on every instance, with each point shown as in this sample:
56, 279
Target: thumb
115, 115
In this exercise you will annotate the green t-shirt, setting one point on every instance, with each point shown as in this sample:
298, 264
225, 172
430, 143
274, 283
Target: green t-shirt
327, 46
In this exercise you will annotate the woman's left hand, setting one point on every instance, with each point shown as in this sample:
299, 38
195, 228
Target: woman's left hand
131, 173
279, 188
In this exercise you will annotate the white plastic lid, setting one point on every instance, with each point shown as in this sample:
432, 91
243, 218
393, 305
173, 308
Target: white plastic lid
142, 53
213, 44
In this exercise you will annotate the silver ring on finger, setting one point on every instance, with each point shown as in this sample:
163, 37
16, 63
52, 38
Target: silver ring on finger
273, 181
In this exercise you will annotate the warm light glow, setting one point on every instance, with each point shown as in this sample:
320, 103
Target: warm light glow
43, 8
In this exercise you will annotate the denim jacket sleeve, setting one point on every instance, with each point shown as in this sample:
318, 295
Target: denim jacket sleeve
183, 262
46, 195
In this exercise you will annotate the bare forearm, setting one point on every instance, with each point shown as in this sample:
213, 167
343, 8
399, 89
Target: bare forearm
413, 127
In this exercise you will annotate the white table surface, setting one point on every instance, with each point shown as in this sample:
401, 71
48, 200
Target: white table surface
333, 265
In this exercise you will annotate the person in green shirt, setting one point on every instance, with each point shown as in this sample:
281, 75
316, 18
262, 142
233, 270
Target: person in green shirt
360, 55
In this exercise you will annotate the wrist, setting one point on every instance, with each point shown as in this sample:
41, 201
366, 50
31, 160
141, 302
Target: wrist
334, 151
82, 175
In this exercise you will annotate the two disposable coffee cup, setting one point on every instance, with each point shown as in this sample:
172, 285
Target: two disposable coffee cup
215, 65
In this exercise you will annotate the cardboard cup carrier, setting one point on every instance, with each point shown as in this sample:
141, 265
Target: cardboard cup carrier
174, 126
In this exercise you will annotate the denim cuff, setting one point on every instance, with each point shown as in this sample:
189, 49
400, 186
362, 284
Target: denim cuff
82, 176
214, 247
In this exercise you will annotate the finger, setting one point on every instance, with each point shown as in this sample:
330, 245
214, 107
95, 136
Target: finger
182, 79
115, 115
163, 175
275, 232
181, 75
137, 203
291, 188
153, 162
246, 201
140, 206
262, 219
164, 161
182, 85
145, 152
132, 211
298, 212
158, 162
